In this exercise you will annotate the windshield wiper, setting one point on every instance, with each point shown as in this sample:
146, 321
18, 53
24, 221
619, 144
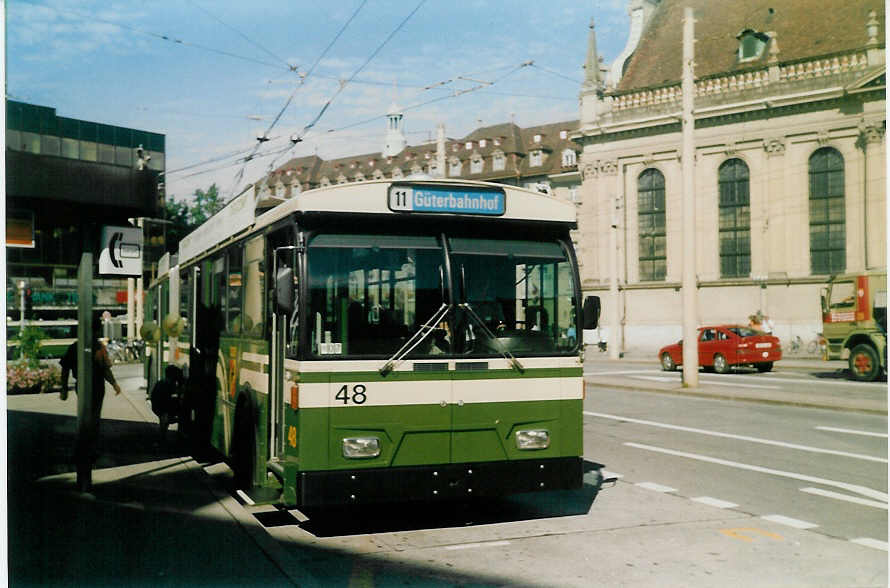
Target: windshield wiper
416, 339
500, 347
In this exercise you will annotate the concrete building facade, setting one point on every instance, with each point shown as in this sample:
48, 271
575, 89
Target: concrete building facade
65, 179
790, 168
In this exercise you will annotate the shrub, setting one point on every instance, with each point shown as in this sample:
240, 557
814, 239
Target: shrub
29, 346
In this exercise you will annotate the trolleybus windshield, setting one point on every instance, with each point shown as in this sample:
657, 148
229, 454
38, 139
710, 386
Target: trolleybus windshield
370, 295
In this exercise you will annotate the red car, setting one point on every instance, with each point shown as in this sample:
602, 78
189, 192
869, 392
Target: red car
725, 346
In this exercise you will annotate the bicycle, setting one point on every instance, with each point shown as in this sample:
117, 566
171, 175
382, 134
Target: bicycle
797, 346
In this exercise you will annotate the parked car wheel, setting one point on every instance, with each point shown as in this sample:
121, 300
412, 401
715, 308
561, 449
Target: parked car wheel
864, 363
721, 366
765, 366
667, 363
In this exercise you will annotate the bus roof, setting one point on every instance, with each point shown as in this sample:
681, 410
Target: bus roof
421, 197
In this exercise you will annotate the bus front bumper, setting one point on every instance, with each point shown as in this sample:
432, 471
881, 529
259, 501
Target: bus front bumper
439, 482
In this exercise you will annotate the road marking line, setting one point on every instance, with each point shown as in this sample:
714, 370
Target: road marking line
741, 385
783, 520
819, 381
852, 432
770, 375
737, 437
873, 543
864, 491
656, 378
618, 373
714, 502
477, 545
245, 498
608, 474
655, 487
838, 496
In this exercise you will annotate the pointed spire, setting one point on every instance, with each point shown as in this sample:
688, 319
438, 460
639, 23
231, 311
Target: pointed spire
593, 79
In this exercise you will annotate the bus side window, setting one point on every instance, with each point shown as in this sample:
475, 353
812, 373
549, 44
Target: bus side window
185, 295
254, 313
235, 291
218, 299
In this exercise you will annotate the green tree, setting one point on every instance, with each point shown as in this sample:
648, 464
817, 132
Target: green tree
206, 205
185, 217
178, 214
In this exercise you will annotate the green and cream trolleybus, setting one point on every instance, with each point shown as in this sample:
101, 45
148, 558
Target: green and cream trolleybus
379, 341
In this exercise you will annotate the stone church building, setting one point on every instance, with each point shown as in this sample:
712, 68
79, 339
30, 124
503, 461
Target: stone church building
790, 167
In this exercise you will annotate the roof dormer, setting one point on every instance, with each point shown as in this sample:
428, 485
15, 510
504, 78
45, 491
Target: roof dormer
751, 44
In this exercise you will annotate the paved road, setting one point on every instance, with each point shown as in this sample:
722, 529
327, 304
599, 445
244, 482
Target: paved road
826, 470
160, 518
796, 382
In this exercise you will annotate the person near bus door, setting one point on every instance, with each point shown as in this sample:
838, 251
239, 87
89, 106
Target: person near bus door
85, 448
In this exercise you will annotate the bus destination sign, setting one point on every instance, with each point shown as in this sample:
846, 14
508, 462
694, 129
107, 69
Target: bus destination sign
463, 200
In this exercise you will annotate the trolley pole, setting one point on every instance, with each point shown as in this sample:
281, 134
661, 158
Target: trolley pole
690, 296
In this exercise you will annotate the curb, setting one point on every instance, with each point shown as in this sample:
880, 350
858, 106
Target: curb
698, 393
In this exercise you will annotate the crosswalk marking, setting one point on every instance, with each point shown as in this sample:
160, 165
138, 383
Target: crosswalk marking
714, 502
783, 520
655, 487
873, 543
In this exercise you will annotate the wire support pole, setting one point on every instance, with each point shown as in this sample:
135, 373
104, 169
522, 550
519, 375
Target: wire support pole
690, 294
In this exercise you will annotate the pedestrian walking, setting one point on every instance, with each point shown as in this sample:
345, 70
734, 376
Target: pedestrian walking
85, 450
754, 322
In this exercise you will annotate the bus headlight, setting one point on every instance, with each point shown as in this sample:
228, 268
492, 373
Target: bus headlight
533, 439
361, 447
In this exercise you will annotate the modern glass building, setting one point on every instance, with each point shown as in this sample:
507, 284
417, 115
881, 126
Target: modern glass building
65, 179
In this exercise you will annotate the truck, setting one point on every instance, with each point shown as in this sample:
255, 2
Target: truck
854, 322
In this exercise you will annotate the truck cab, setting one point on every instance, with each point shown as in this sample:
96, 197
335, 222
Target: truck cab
854, 322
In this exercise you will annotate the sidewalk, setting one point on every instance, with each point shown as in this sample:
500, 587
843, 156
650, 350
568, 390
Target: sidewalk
155, 516
849, 395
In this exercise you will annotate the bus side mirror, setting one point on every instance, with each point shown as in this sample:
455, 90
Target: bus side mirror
824, 300
284, 291
591, 315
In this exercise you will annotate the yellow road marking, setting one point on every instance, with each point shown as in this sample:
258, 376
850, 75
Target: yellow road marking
739, 533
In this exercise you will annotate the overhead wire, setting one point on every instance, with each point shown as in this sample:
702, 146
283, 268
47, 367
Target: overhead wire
481, 88
290, 98
206, 162
290, 66
174, 40
346, 82
556, 73
454, 94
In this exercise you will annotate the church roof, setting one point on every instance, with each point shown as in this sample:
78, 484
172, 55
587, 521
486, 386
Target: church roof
803, 29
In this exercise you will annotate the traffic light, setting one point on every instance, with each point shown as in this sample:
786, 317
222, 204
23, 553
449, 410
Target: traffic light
29, 304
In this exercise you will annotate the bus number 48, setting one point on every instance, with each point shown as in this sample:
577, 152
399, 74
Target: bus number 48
357, 394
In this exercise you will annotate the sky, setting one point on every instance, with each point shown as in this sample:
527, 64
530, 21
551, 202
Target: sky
214, 75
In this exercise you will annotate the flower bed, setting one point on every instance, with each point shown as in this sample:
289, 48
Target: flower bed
24, 379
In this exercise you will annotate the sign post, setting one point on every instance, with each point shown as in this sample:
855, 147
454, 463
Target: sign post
87, 423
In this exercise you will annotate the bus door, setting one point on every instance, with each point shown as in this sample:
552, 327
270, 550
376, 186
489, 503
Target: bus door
203, 349
162, 304
284, 333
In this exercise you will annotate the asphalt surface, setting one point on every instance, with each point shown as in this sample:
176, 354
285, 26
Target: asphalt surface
844, 394
157, 517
